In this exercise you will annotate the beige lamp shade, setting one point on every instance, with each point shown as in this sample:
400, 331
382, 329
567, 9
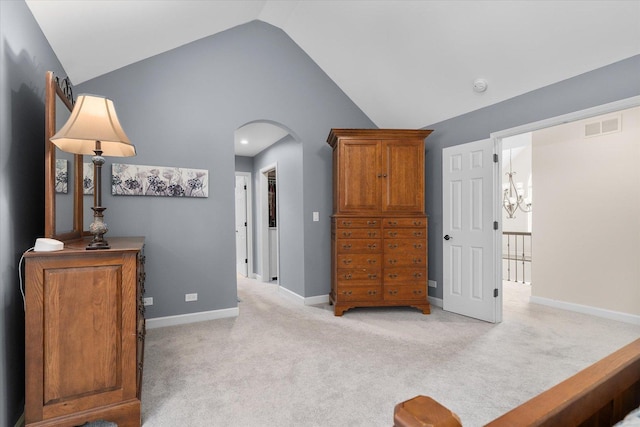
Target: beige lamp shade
93, 119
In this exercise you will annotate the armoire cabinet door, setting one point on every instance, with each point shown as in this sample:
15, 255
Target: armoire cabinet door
403, 172
360, 176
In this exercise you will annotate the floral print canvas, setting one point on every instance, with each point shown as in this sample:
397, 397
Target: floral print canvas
61, 176
136, 180
87, 178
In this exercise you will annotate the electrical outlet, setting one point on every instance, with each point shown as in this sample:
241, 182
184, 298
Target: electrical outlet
148, 301
433, 284
190, 297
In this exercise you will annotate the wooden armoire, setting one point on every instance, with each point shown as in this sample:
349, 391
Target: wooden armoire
378, 226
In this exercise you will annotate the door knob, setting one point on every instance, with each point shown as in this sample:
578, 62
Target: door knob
447, 237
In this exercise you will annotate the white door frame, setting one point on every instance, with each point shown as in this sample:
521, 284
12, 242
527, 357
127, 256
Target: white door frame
498, 136
247, 175
263, 223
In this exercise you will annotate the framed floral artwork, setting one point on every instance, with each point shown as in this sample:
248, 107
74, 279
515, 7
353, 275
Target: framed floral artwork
137, 180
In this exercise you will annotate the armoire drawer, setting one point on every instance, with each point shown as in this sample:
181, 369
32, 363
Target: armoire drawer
359, 261
405, 292
359, 293
405, 275
404, 222
345, 246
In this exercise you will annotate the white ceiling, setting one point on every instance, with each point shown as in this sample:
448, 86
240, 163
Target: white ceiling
405, 63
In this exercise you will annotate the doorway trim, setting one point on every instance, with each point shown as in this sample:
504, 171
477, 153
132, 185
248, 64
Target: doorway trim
247, 175
497, 137
263, 223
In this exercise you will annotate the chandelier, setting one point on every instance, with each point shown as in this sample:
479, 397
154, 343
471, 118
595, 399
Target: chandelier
513, 195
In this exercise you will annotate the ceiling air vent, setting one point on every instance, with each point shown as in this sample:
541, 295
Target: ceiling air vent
602, 127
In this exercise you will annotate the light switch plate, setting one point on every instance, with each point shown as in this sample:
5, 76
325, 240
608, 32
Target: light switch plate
316, 216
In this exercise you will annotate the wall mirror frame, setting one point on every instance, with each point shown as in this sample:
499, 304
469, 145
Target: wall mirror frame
63, 211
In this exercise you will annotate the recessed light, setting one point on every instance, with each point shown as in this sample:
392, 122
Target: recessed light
244, 142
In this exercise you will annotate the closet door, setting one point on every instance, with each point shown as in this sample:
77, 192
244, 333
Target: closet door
403, 176
359, 176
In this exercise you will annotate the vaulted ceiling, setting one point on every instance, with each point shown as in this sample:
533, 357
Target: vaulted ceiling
405, 63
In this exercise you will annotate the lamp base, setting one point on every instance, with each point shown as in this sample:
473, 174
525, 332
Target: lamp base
98, 245
98, 228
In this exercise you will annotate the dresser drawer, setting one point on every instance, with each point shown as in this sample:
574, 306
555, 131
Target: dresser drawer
359, 261
345, 246
402, 260
404, 233
359, 276
405, 292
405, 275
406, 246
358, 222
358, 233
404, 222
359, 293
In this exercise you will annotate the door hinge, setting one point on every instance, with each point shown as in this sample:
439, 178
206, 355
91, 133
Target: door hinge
245, 186
246, 261
495, 225
495, 158
245, 223
495, 293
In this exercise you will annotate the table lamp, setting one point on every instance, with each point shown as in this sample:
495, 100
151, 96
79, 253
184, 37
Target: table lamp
93, 128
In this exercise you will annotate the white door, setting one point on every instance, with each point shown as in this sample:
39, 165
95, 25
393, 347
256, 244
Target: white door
470, 246
241, 225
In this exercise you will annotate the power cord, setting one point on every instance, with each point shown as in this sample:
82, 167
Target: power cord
24, 303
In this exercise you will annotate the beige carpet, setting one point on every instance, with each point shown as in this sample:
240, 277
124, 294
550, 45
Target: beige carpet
283, 364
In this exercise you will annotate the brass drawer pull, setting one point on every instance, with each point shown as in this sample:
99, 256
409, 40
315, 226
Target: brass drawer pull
347, 293
417, 291
393, 223
371, 261
393, 233
346, 234
417, 222
417, 275
393, 245
348, 276
393, 276
373, 276
372, 246
347, 261
395, 261
417, 233
348, 246
417, 260
370, 292
417, 245
372, 222
346, 223
373, 234
393, 292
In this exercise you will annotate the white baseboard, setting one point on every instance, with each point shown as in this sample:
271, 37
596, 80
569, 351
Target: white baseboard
585, 309
181, 319
320, 299
435, 301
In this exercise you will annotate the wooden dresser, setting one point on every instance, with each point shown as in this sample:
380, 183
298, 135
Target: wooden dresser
378, 227
85, 332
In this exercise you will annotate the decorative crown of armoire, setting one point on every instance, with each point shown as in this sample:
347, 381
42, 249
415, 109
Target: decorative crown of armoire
378, 226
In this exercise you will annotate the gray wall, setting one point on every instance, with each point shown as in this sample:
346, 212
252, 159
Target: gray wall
25, 56
244, 164
287, 154
181, 108
611, 83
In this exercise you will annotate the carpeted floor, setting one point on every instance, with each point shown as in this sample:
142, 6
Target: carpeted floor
283, 364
